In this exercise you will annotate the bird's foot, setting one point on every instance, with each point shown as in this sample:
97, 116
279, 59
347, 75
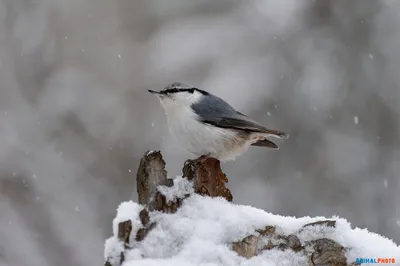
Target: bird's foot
203, 157
206, 157
224, 177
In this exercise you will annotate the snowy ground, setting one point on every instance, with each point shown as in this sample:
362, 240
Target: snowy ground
199, 233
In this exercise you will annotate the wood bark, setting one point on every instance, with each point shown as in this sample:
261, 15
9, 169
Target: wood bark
209, 180
151, 174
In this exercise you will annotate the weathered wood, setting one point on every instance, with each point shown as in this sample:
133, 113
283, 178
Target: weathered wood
124, 231
267, 231
320, 252
294, 243
328, 223
205, 172
327, 252
144, 216
142, 232
151, 174
247, 247
209, 180
163, 205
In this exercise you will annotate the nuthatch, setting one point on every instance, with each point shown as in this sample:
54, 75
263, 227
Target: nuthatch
206, 125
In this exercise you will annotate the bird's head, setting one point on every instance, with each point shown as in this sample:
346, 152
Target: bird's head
178, 95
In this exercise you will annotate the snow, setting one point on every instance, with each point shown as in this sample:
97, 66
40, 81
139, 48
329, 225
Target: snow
201, 231
128, 211
182, 186
113, 247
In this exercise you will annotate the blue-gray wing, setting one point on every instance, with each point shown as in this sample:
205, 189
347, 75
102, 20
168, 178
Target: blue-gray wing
215, 111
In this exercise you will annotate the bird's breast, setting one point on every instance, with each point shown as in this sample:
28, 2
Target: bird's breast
185, 127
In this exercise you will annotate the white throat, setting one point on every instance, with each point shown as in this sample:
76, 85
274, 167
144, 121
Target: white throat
180, 102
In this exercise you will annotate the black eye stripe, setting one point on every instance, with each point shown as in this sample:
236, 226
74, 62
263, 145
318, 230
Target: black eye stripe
175, 90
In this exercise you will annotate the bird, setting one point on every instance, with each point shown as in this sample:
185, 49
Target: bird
207, 126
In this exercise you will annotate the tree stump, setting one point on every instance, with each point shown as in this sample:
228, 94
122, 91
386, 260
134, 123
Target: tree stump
205, 173
207, 179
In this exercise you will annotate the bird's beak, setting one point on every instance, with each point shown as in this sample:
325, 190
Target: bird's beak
154, 92
159, 95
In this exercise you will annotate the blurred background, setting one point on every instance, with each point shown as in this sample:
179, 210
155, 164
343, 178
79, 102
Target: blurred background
76, 117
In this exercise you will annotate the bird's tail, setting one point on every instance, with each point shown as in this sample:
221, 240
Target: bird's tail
265, 143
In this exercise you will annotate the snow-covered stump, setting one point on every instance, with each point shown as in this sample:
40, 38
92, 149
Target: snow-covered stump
205, 174
191, 220
157, 192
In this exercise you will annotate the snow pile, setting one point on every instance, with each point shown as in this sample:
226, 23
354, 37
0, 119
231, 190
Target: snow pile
201, 231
